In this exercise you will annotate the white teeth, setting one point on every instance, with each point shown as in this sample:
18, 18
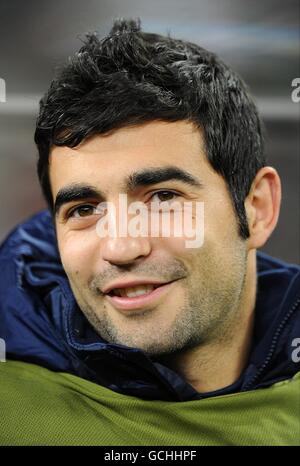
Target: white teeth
134, 291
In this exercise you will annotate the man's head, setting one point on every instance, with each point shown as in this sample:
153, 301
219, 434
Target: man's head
147, 115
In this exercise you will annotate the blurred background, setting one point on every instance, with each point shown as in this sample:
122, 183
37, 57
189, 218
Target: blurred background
259, 39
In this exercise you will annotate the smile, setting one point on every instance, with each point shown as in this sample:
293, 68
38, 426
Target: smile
137, 297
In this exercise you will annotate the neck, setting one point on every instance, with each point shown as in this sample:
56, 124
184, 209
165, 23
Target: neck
220, 363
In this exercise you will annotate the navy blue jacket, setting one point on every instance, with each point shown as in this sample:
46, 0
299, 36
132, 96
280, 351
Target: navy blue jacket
42, 324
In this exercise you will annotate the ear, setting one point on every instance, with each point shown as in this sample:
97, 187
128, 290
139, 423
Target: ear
262, 206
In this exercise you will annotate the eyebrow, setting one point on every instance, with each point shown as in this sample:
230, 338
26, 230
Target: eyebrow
151, 176
145, 177
75, 192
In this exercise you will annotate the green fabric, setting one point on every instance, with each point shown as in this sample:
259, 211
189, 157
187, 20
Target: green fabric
40, 407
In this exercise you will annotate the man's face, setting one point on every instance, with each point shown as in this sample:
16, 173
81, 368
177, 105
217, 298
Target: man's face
207, 282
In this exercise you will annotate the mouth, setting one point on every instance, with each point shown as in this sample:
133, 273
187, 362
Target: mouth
137, 297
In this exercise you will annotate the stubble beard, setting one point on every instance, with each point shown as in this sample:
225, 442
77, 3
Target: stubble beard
204, 317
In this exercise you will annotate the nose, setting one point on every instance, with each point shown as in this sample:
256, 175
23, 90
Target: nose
124, 250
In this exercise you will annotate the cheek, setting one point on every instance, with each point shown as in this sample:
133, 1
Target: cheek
186, 234
221, 223
77, 252
214, 235
177, 247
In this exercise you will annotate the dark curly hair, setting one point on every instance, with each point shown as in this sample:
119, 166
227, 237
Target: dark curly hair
130, 77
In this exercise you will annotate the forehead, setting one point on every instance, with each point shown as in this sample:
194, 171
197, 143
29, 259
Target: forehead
107, 159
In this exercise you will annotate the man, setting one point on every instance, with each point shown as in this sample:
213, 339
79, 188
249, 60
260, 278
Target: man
136, 338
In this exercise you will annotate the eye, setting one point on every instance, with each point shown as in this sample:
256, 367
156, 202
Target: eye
82, 211
164, 196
